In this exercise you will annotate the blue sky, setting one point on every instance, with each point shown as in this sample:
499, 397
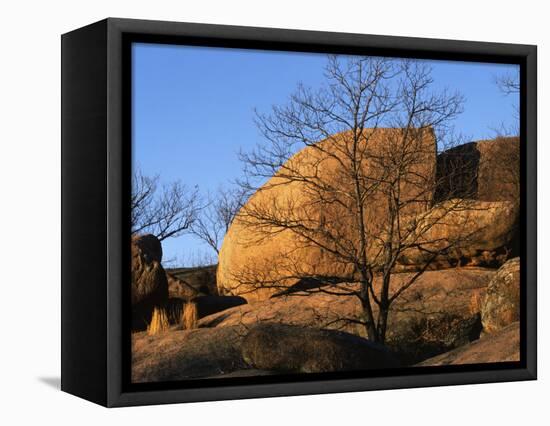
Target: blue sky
193, 109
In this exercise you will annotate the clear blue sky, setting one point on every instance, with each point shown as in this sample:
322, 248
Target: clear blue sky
193, 109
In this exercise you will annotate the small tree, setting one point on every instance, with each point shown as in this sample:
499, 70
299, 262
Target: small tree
340, 125
162, 210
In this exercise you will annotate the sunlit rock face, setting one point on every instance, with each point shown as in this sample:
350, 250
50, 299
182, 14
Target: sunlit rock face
270, 244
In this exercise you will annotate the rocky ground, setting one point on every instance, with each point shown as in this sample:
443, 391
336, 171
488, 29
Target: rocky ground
449, 317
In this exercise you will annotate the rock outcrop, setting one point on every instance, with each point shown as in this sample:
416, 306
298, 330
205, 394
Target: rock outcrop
502, 346
486, 171
501, 305
469, 204
287, 348
438, 313
259, 256
149, 285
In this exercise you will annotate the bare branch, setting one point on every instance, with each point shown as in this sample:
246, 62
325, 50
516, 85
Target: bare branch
164, 211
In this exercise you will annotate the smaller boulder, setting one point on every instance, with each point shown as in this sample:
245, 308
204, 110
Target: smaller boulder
286, 348
149, 286
501, 304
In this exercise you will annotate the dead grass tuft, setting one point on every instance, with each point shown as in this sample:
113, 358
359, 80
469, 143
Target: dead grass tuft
159, 322
190, 316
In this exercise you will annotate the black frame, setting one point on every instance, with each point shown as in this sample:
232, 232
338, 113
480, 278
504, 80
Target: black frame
96, 144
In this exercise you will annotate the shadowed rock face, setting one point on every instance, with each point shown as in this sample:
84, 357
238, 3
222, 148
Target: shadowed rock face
502, 346
202, 279
484, 170
149, 286
288, 348
205, 305
180, 289
438, 313
501, 305
257, 260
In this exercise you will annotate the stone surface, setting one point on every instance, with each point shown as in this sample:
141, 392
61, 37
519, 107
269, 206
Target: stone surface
502, 346
179, 355
257, 258
501, 305
286, 348
149, 285
478, 232
439, 312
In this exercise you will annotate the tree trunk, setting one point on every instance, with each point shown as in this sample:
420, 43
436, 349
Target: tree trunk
370, 326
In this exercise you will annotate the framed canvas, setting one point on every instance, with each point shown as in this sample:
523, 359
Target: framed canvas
255, 212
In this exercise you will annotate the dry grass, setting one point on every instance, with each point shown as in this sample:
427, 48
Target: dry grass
159, 322
190, 316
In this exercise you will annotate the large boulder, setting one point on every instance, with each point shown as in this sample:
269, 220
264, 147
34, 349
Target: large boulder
502, 346
259, 257
149, 285
187, 354
439, 312
501, 305
289, 348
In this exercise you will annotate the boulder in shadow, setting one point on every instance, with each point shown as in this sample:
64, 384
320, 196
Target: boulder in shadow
287, 348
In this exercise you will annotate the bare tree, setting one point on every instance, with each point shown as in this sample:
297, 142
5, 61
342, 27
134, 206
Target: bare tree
367, 183
213, 221
162, 210
508, 83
